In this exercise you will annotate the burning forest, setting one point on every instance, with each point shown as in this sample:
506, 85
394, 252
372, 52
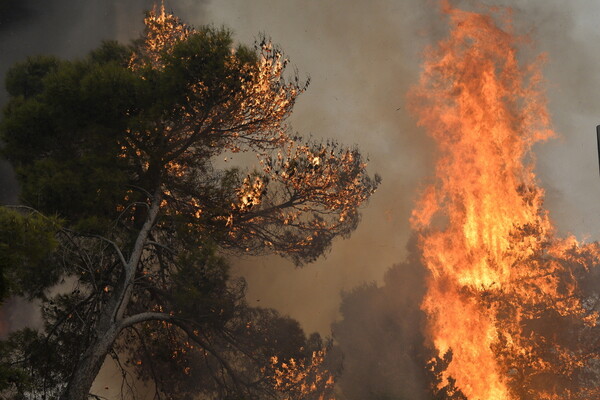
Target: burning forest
132, 211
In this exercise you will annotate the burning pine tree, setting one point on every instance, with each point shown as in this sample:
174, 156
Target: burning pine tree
504, 306
123, 146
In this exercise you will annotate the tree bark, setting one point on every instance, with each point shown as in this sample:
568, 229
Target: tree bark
89, 365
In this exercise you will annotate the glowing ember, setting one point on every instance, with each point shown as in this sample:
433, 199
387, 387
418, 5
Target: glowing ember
163, 31
495, 267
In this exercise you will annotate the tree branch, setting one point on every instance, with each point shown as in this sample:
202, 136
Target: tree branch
134, 259
113, 244
144, 317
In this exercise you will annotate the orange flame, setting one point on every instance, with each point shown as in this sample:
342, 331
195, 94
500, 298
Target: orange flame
303, 379
485, 239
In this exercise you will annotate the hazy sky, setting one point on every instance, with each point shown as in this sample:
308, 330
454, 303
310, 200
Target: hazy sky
362, 57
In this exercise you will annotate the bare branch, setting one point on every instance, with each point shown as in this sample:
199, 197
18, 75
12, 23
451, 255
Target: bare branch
104, 239
145, 317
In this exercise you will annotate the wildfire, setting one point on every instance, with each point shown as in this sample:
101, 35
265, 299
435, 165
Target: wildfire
302, 380
163, 30
496, 268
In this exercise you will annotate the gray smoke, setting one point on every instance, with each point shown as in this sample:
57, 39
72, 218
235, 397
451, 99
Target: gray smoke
380, 336
361, 57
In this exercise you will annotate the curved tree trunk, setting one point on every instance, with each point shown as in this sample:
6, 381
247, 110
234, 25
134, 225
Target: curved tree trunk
89, 365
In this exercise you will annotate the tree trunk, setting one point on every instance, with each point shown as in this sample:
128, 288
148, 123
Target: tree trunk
89, 365
110, 322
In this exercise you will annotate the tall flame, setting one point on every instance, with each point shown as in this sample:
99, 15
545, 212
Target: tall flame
494, 263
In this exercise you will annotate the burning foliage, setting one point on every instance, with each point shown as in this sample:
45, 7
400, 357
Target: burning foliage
504, 306
303, 379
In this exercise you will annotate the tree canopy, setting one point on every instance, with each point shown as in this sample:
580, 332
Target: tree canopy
128, 121
124, 146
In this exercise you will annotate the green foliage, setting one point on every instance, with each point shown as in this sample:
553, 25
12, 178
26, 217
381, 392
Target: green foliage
61, 129
65, 126
91, 137
32, 366
27, 242
200, 286
91, 188
25, 78
111, 51
205, 57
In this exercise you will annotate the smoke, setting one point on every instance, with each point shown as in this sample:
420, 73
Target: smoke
380, 335
362, 58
